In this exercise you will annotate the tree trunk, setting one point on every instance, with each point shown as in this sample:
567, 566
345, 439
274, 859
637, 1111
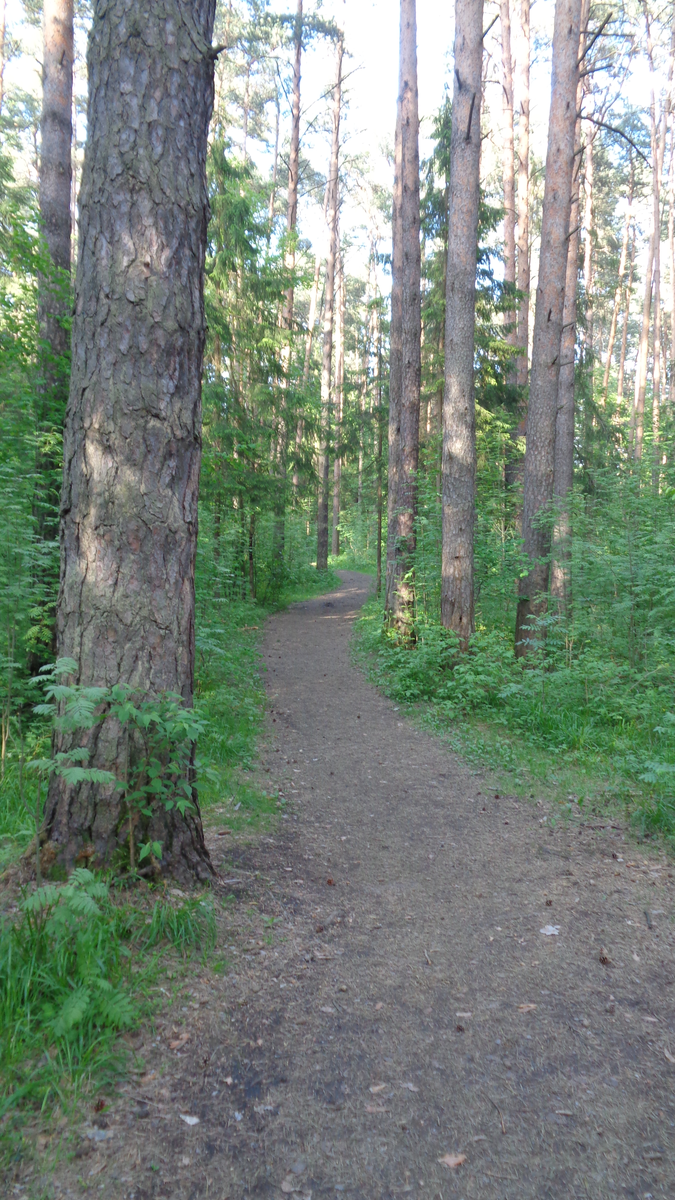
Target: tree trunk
126, 607
658, 141
275, 169
287, 312
508, 164
380, 464
3, 52
671, 247
541, 417
624, 334
459, 410
395, 368
54, 302
563, 471
587, 331
339, 390
523, 273
329, 305
401, 595
618, 294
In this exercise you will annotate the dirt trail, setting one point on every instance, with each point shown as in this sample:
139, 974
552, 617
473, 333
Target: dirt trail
411, 1006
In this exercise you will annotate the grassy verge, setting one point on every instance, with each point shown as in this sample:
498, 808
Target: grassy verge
581, 735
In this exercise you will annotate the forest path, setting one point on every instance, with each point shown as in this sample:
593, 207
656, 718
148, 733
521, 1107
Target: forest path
413, 1008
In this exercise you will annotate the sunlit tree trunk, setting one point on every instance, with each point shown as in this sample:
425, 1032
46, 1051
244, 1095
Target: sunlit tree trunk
401, 591
329, 306
618, 293
523, 271
54, 301
563, 470
126, 607
548, 320
339, 389
508, 162
459, 413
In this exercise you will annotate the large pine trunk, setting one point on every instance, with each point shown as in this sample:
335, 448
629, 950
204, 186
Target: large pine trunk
54, 302
401, 594
459, 413
126, 608
508, 162
548, 320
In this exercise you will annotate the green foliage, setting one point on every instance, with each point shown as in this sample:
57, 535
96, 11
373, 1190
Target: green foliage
75, 967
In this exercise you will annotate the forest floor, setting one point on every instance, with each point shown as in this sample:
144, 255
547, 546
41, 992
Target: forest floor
419, 970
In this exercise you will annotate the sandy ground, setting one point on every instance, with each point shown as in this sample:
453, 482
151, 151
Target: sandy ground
447, 976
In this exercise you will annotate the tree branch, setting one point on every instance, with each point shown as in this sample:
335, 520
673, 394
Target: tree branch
619, 133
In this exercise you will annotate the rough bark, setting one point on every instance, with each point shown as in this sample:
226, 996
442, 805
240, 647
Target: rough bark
126, 606
339, 389
523, 271
54, 302
458, 469
329, 306
563, 470
542, 409
401, 591
508, 163
395, 368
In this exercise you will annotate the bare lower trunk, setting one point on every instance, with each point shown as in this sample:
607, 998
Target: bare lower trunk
523, 273
459, 412
563, 472
339, 388
395, 368
508, 164
656, 379
126, 609
541, 417
329, 305
54, 302
671, 248
401, 591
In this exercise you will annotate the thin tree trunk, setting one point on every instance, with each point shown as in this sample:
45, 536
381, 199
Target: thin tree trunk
523, 273
656, 370
658, 142
275, 168
459, 410
380, 463
126, 608
329, 305
287, 312
618, 294
3, 52
548, 320
395, 367
671, 247
587, 329
401, 596
339, 389
54, 302
624, 334
508, 164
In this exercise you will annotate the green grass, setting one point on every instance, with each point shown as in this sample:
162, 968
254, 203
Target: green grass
587, 734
